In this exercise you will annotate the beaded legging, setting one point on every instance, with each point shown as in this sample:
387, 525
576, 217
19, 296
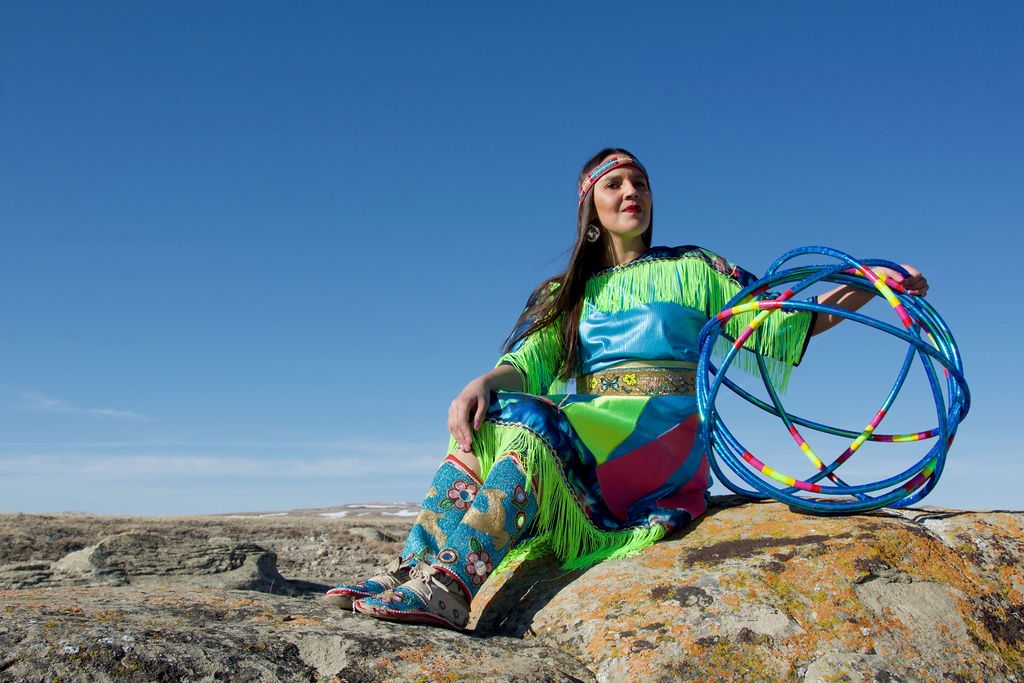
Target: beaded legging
466, 527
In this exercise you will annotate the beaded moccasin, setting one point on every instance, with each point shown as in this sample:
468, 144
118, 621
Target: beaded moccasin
395, 574
430, 597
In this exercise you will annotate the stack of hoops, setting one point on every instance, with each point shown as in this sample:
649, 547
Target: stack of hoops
929, 340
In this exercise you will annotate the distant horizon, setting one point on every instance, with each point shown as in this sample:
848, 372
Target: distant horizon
372, 505
325, 511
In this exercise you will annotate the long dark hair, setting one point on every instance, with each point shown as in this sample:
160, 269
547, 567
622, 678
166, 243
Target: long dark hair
562, 295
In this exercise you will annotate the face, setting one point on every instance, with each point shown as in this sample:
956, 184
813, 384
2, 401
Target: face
623, 201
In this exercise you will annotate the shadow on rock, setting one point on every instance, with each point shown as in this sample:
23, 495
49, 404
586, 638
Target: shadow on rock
511, 608
508, 603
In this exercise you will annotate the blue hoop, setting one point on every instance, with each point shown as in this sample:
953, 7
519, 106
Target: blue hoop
917, 316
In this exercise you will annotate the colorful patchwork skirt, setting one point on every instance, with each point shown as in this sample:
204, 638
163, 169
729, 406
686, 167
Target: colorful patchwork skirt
613, 473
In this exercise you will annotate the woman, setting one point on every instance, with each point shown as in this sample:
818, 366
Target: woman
606, 471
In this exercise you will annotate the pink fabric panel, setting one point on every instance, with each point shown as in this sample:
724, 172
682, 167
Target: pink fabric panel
630, 477
691, 496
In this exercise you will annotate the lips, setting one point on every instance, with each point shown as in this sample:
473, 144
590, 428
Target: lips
631, 209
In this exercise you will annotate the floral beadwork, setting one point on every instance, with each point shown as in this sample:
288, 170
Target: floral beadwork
459, 496
478, 562
640, 382
479, 566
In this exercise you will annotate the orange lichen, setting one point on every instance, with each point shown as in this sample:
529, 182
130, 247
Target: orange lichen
237, 604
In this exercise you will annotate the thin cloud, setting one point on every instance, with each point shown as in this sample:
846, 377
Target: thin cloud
205, 466
36, 401
356, 446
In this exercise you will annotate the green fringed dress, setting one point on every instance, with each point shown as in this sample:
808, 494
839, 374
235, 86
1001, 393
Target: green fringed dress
618, 472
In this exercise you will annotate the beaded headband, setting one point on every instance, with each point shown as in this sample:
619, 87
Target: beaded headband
607, 166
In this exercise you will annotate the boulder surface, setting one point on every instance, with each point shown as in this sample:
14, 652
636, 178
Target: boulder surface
751, 592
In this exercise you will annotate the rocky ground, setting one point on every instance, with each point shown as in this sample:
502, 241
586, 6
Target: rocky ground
753, 592
314, 547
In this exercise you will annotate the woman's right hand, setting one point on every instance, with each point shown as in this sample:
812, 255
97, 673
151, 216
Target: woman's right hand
469, 406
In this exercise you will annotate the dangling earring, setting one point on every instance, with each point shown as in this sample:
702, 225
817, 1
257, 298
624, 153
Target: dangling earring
593, 233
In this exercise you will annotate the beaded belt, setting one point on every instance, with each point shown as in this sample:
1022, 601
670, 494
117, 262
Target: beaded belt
640, 380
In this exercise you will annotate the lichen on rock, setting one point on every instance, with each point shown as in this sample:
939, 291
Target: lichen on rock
750, 592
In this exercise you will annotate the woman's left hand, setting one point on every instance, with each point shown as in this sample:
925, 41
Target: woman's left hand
915, 283
850, 298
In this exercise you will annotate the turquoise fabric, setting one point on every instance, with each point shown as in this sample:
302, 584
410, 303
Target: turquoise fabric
661, 330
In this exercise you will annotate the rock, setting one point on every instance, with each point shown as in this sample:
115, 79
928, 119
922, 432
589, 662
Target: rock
140, 558
24, 574
758, 592
372, 534
78, 562
750, 592
848, 667
176, 634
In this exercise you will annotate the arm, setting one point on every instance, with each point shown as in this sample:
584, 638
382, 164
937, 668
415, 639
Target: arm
474, 399
530, 367
850, 298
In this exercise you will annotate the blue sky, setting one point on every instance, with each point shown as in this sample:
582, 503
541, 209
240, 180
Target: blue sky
252, 250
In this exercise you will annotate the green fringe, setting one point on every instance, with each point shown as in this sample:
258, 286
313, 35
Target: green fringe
780, 339
562, 528
532, 549
538, 360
